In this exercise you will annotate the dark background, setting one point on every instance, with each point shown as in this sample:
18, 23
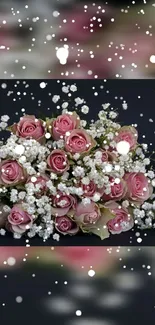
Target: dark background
137, 309
127, 90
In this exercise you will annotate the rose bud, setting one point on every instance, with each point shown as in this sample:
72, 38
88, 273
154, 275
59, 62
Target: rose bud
29, 127
19, 220
11, 173
87, 214
138, 187
122, 221
62, 124
40, 184
91, 189
57, 161
79, 141
65, 225
62, 203
107, 156
118, 191
93, 219
128, 134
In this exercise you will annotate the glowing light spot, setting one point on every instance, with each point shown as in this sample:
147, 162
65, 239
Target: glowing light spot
62, 54
123, 147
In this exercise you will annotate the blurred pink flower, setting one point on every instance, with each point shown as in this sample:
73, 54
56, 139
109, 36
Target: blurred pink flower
81, 24
82, 258
18, 253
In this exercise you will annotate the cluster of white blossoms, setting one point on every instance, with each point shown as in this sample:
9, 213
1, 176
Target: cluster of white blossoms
65, 175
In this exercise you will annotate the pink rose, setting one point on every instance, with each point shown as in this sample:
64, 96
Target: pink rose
122, 221
65, 225
91, 189
62, 203
57, 161
107, 156
87, 214
64, 123
19, 220
79, 141
138, 187
118, 191
11, 173
41, 182
29, 127
129, 134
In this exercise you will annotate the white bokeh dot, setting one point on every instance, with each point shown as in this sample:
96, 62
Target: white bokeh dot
78, 313
42, 85
19, 299
123, 147
11, 261
91, 273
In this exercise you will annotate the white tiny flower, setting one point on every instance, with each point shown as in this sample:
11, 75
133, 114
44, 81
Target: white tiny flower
65, 105
125, 204
76, 156
65, 89
124, 105
83, 123
56, 237
5, 118
86, 201
98, 154
53, 176
79, 101
3, 125
150, 174
96, 197
85, 109
146, 161
85, 181
21, 195
105, 106
73, 88
112, 115
55, 98
153, 182
6, 208
2, 232
79, 171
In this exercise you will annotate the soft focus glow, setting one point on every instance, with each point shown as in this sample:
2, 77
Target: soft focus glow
91, 273
62, 54
152, 58
123, 147
78, 313
11, 261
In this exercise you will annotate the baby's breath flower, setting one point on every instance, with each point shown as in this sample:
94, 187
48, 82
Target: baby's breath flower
85, 109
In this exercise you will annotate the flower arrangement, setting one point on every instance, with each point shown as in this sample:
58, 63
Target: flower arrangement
63, 175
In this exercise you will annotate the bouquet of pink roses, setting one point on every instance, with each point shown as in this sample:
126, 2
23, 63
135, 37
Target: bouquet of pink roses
62, 175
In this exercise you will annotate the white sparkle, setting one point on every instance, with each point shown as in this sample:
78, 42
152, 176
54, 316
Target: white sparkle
78, 313
42, 85
123, 147
91, 273
152, 58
